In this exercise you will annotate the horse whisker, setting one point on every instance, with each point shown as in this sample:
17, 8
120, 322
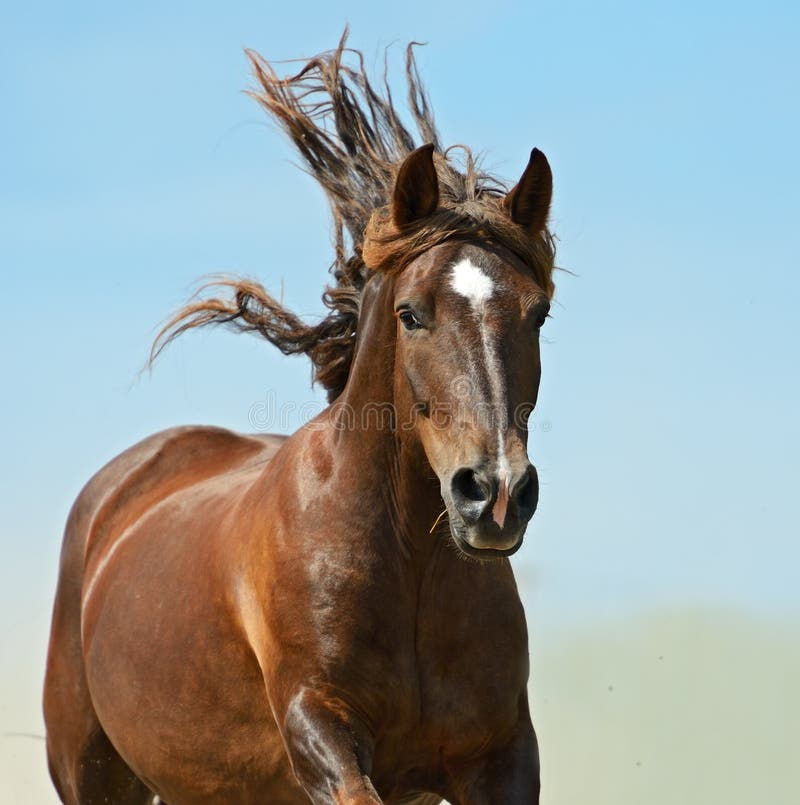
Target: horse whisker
436, 522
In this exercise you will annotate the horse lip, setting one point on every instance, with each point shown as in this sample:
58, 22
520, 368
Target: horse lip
468, 549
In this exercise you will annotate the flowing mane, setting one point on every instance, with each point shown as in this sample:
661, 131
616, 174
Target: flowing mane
352, 141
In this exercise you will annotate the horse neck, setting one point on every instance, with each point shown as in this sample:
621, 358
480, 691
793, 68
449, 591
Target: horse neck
391, 464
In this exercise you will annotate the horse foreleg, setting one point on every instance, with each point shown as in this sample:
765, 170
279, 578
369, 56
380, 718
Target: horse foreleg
330, 750
509, 775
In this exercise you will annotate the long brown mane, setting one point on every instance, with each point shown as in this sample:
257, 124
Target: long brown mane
352, 141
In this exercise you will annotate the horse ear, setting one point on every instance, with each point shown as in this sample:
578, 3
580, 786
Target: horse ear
416, 190
528, 203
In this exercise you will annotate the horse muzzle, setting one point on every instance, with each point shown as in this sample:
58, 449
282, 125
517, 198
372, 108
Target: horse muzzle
490, 509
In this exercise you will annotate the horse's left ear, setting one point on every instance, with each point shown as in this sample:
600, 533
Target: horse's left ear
528, 203
416, 191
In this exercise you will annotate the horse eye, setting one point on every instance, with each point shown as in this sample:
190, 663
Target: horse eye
409, 320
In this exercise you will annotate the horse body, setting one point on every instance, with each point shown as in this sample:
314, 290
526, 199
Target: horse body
245, 619
216, 623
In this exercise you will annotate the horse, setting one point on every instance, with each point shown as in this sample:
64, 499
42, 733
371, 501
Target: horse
329, 616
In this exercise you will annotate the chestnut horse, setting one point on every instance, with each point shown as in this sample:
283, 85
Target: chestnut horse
262, 619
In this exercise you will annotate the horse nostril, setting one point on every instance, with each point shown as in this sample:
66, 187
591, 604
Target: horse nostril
521, 487
471, 493
466, 484
526, 490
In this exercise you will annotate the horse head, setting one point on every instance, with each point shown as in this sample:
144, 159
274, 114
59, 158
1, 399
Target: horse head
468, 311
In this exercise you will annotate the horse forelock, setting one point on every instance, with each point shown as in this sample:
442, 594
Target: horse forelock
482, 221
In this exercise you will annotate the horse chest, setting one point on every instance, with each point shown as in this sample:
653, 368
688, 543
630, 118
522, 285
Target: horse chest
473, 667
456, 687
436, 662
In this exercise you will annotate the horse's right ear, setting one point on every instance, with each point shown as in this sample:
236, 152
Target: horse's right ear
416, 190
528, 203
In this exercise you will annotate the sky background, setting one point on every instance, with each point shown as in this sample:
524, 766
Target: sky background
666, 435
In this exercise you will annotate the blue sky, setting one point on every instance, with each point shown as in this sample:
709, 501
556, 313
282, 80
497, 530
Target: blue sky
667, 435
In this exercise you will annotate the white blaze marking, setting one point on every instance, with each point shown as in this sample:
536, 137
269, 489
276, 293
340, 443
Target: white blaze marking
474, 284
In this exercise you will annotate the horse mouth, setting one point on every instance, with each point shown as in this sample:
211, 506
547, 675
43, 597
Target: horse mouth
484, 550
